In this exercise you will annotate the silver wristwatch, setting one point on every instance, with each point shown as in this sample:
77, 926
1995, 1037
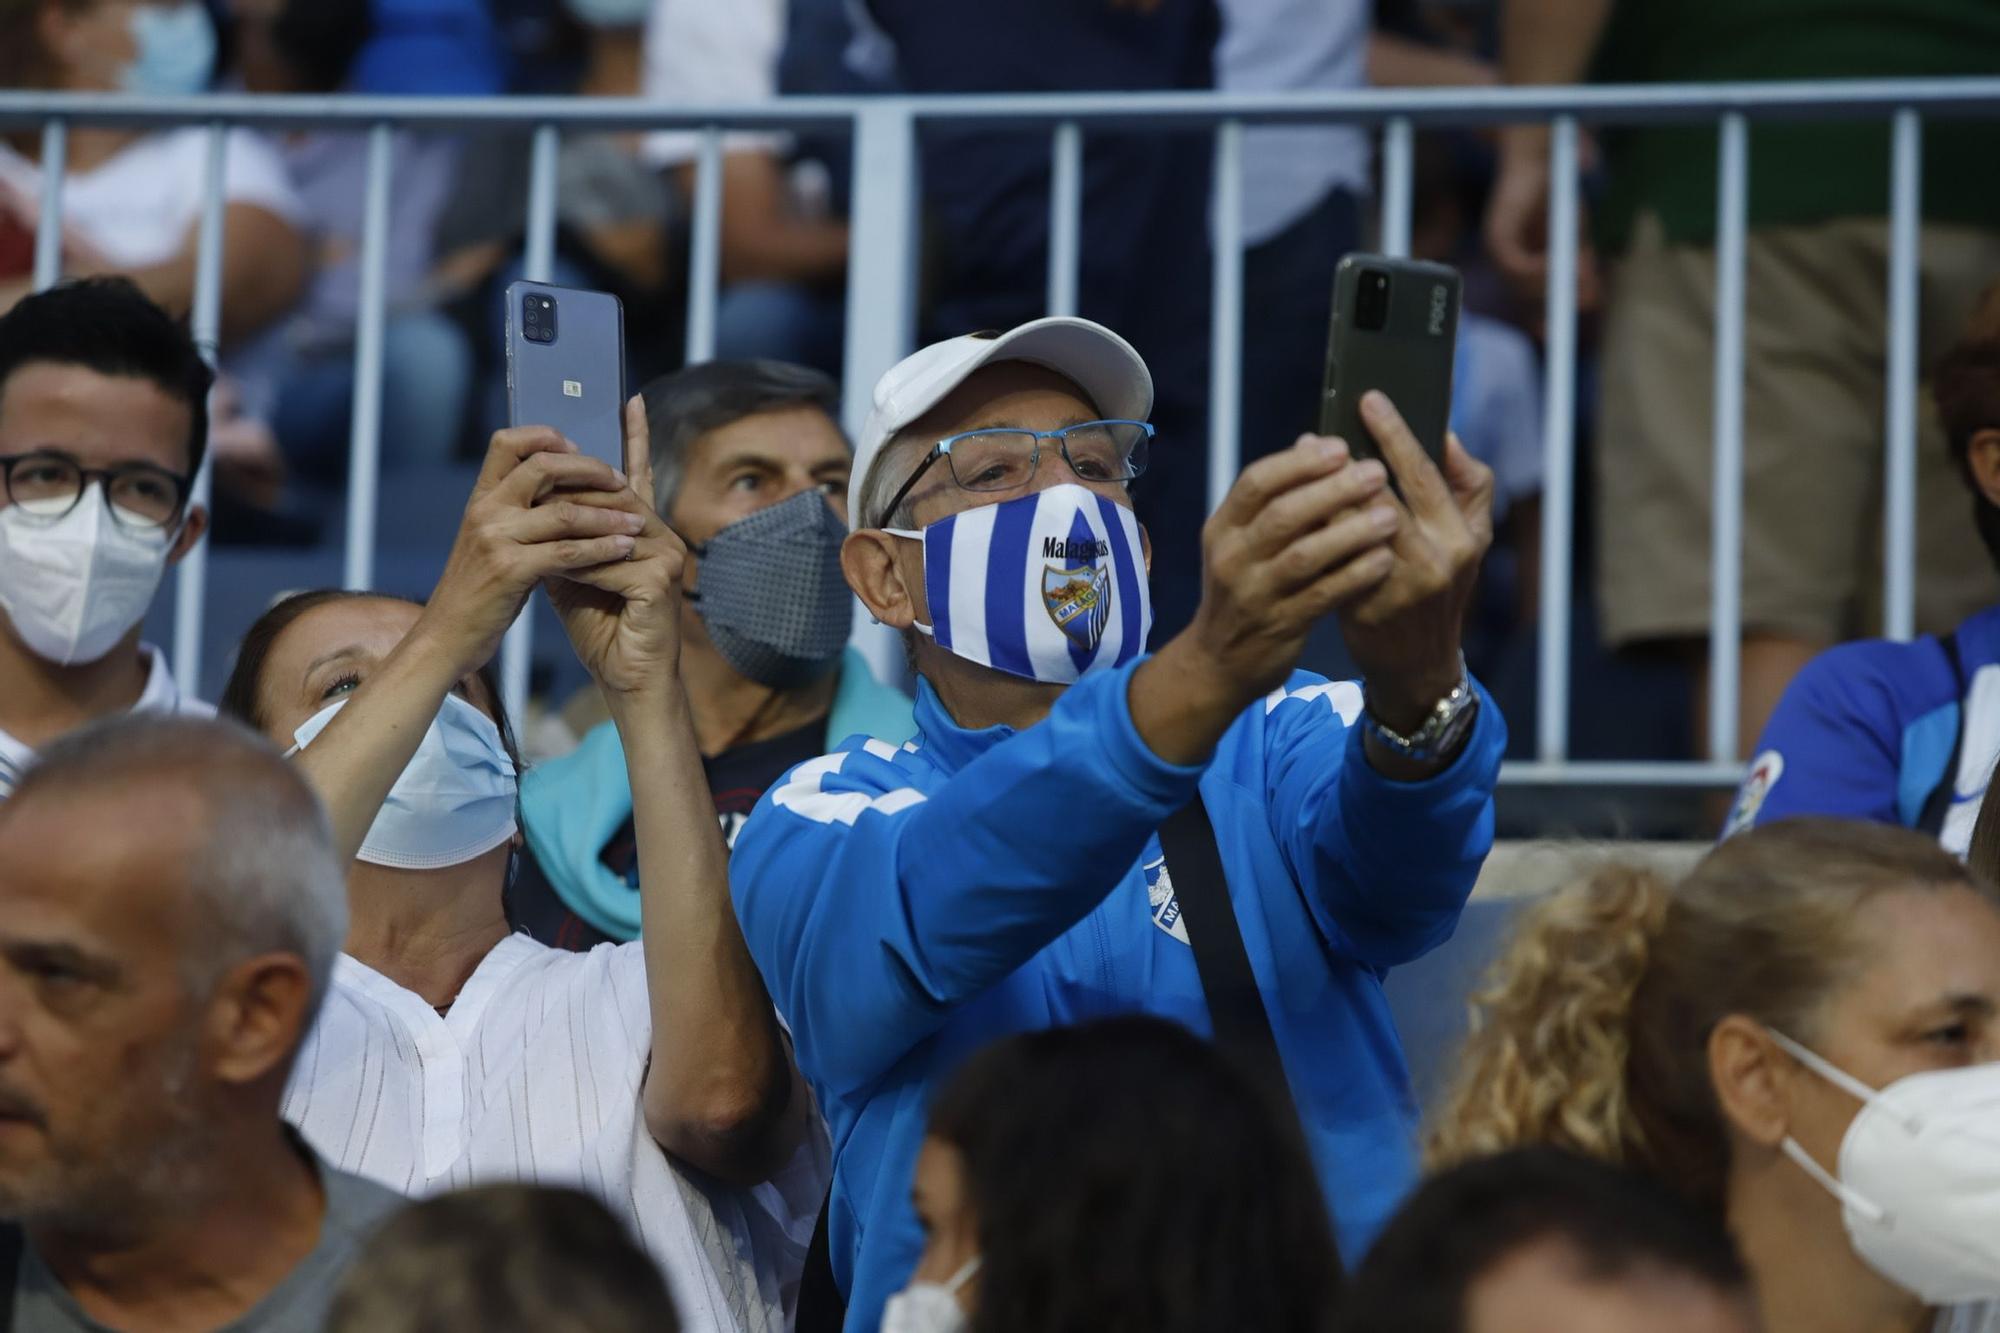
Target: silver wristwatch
1441, 731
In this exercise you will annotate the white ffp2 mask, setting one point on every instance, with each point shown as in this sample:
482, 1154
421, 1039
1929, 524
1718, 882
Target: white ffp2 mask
454, 800
930, 1307
76, 585
1919, 1177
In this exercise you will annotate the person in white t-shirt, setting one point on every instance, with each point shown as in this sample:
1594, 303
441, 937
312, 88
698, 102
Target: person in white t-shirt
452, 1050
131, 198
783, 251
103, 421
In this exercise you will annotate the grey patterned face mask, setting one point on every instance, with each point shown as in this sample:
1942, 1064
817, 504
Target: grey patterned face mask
772, 594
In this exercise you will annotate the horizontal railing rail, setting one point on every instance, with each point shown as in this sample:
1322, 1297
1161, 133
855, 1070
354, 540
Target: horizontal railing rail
881, 281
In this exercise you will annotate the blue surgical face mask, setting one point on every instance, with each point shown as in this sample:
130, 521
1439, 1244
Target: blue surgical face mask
454, 800
1050, 585
176, 50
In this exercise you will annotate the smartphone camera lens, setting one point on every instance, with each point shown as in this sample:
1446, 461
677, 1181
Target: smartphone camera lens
1371, 301
538, 318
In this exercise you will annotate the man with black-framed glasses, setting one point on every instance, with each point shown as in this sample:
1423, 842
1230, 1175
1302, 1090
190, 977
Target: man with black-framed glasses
1026, 860
103, 422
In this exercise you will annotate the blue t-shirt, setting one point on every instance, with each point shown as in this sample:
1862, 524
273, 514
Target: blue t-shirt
1869, 730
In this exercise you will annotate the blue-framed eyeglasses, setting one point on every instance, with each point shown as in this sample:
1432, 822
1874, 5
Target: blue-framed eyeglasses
1004, 458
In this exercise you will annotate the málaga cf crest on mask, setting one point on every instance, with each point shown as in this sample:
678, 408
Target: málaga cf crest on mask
1049, 586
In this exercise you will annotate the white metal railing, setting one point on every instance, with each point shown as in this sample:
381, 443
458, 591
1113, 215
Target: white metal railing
881, 281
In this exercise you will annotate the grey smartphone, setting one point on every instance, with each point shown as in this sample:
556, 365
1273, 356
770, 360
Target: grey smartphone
566, 365
1395, 328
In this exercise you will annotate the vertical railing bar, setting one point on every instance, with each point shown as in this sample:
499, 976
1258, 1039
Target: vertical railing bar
1398, 184
365, 436
705, 248
1065, 216
1225, 358
1899, 483
1558, 449
1726, 553
49, 233
205, 325
538, 264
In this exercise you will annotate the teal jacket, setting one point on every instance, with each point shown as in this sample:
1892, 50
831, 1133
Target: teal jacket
572, 806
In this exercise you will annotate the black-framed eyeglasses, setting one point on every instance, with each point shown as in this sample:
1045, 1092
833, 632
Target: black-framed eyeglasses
1004, 458
48, 484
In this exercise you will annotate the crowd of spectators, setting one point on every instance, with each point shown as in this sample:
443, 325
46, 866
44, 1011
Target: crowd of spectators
1048, 995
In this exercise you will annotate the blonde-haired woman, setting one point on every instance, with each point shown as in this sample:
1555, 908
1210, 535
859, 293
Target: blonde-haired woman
1800, 1036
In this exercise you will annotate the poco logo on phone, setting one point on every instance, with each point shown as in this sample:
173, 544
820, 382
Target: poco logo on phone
1439, 299
574, 388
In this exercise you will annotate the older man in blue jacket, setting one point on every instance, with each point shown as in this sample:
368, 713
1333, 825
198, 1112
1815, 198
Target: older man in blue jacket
907, 904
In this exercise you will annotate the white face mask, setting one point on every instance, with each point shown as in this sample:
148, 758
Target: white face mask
76, 585
1919, 1178
930, 1307
454, 800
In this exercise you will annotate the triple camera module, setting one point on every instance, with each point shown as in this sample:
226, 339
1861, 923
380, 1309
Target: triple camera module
538, 317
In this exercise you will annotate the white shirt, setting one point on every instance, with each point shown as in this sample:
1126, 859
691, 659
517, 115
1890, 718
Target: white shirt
161, 695
1983, 1317
140, 205
534, 1074
712, 52
1283, 46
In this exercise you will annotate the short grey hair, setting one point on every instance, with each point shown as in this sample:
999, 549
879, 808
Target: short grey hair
264, 869
691, 402
879, 484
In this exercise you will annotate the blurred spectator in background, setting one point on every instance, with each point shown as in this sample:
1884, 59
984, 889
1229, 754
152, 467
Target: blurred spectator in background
132, 198
443, 48
304, 375
1536, 1240
1833, 1103
616, 219
1904, 733
609, 1069
170, 908
1815, 312
103, 421
783, 253
503, 1259
751, 470
1121, 1176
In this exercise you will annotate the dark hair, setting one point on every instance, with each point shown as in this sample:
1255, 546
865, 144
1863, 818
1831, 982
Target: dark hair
108, 325
1127, 1176
1966, 384
241, 695
689, 403
320, 40
503, 1259
1462, 1222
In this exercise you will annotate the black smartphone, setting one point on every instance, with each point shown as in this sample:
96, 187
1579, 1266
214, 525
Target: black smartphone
1395, 328
566, 365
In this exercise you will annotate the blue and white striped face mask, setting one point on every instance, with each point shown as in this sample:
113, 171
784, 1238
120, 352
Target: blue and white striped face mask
1050, 586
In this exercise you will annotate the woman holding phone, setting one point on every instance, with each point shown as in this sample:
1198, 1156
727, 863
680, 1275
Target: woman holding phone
450, 1050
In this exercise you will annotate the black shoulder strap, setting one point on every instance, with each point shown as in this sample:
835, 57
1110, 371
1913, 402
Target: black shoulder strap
10, 1269
1931, 820
1234, 1004
822, 1309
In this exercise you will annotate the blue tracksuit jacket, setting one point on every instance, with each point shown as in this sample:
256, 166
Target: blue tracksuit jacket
908, 904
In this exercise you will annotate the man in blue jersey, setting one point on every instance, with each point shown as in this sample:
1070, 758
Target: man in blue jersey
1903, 733
1002, 871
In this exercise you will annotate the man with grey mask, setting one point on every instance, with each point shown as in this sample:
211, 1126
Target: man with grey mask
103, 423
751, 469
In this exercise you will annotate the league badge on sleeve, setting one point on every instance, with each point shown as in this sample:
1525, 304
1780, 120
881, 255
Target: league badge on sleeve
1764, 773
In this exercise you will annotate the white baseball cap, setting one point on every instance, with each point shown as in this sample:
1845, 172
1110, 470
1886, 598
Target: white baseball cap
1101, 363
